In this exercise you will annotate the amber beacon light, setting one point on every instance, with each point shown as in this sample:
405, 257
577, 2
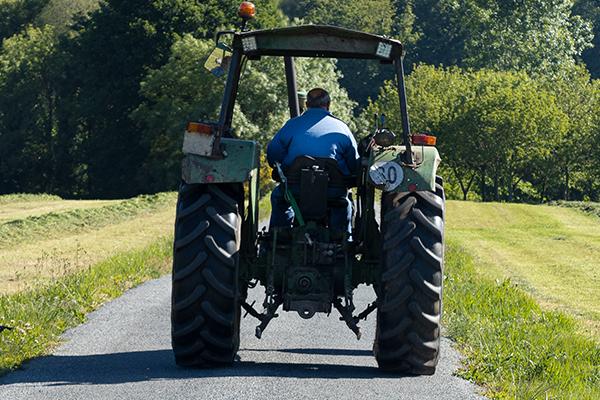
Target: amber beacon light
247, 10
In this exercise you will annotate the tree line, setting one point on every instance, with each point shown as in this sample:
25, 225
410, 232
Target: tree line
94, 95
506, 135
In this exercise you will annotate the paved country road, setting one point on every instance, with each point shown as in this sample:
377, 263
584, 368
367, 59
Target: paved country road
123, 352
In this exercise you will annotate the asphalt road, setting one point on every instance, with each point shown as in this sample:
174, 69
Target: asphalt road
123, 352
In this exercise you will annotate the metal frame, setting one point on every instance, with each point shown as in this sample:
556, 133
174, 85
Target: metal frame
318, 41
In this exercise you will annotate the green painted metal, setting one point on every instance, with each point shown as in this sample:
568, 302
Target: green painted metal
239, 164
427, 160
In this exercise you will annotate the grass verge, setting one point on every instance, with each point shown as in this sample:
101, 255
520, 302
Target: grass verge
513, 347
56, 224
42, 313
551, 252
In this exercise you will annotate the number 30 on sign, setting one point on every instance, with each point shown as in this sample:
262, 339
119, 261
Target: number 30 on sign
386, 174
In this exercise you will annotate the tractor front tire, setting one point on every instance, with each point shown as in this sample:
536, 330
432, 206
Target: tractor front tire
410, 292
205, 307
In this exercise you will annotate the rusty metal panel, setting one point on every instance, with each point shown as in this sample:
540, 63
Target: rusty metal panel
239, 164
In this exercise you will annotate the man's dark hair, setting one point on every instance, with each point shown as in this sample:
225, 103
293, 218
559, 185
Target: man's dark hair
318, 98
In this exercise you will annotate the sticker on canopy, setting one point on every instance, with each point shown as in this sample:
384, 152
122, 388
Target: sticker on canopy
384, 50
386, 174
249, 43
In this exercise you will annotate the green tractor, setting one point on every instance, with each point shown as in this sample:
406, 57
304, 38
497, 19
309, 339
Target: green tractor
220, 252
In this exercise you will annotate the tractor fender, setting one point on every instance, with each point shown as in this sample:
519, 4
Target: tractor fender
240, 163
388, 173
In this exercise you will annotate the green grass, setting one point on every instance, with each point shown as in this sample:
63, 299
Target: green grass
23, 197
55, 224
551, 252
42, 313
264, 207
587, 207
515, 348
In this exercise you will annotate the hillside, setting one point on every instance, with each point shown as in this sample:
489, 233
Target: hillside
552, 252
46, 237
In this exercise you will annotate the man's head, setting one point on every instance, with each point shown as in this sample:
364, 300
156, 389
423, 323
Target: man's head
318, 98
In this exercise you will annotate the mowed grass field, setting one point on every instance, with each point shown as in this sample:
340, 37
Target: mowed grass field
551, 252
43, 237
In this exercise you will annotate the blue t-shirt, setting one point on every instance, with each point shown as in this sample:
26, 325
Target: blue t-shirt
318, 134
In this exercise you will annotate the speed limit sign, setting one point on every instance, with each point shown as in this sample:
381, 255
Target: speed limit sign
386, 174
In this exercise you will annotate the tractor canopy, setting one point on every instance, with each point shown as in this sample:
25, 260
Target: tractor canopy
317, 41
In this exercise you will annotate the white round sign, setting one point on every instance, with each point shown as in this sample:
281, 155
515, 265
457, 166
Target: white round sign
386, 174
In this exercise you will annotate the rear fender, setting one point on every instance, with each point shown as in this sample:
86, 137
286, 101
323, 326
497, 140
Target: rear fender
388, 173
240, 163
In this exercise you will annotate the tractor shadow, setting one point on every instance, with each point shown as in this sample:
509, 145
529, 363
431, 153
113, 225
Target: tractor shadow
141, 366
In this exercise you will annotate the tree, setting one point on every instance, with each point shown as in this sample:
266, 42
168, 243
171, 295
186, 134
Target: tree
537, 36
492, 125
578, 98
16, 14
111, 53
28, 124
62, 13
362, 79
589, 10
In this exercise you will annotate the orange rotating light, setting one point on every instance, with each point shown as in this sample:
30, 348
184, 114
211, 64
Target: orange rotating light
247, 10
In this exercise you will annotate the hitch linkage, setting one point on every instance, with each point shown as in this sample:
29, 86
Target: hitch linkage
265, 317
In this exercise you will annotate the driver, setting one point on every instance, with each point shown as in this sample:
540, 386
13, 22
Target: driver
316, 133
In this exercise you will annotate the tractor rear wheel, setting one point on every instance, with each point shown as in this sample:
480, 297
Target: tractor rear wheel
205, 308
410, 292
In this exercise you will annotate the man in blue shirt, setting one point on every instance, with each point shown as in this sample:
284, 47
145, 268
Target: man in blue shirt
316, 133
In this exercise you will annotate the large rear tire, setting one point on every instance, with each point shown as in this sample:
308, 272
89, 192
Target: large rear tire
205, 308
410, 292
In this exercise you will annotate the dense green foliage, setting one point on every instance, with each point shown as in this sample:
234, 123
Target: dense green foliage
94, 95
514, 348
505, 134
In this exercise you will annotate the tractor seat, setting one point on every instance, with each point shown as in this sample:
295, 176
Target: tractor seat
336, 178
318, 185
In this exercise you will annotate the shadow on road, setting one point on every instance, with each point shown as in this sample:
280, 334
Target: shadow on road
102, 369
321, 352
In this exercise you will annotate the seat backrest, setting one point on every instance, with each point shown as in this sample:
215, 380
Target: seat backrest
314, 176
335, 176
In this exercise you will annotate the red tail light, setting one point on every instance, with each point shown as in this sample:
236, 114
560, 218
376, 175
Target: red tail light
425, 140
197, 127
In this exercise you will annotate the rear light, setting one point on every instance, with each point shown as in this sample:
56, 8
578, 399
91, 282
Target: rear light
196, 127
425, 140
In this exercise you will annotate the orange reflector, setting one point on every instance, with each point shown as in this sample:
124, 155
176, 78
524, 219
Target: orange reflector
196, 127
426, 140
247, 10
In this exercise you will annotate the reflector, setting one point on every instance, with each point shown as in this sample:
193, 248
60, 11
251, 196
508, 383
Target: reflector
426, 140
247, 10
196, 127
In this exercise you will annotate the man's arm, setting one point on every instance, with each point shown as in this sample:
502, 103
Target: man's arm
277, 148
350, 155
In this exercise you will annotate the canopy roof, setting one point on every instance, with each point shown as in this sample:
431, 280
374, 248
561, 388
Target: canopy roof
317, 41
